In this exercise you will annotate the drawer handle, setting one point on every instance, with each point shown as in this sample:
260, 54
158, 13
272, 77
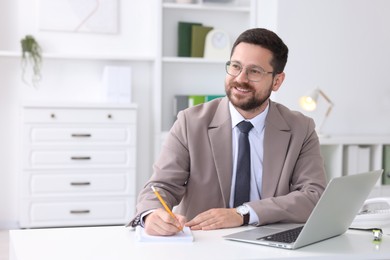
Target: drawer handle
81, 135
81, 158
85, 211
87, 183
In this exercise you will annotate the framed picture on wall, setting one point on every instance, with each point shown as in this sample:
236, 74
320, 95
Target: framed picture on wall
79, 16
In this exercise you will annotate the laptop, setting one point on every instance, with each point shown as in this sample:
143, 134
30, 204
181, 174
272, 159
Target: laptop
332, 216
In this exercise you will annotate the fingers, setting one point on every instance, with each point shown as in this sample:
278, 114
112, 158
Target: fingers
215, 219
160, 223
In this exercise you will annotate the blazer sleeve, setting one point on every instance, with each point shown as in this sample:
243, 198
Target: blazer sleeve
293, 171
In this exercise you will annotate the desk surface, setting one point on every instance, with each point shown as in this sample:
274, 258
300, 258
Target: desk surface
118, 242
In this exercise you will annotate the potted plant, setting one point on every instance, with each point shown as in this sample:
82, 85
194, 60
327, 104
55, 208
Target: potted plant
31, 57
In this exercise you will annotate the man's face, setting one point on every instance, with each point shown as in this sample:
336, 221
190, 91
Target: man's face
251, 97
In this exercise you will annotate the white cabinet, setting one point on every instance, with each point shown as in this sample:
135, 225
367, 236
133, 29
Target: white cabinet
185, 75
346, 155
78, 165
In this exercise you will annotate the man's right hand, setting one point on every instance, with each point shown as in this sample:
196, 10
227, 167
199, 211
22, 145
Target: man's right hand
160, 223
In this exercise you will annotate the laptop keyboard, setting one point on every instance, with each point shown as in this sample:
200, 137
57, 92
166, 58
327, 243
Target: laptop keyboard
287, 236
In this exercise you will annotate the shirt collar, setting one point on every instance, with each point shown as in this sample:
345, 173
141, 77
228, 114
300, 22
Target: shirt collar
258, 121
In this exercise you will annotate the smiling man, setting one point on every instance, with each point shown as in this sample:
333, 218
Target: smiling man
241, 159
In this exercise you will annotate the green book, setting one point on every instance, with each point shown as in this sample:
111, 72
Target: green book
211, 97
198, 39
386, 165
194, 100
184, 38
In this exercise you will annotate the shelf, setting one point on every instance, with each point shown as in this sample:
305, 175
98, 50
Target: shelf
32, 103
191, 60
82, 56
358, 140
208, 7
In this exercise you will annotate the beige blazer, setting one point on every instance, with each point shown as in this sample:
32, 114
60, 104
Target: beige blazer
194, 169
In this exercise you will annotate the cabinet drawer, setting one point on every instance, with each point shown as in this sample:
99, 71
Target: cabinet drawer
82, 184
80, 158
46, 135
79, 115
102, 211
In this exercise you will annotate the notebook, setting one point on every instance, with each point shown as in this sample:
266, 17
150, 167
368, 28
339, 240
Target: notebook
185, 236
332, 216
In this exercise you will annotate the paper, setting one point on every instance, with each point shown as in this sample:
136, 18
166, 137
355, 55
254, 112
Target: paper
185, 236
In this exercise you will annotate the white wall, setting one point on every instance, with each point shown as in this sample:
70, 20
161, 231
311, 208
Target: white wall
341, 46
71, 80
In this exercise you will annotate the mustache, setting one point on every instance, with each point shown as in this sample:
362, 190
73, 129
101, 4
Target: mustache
242, 86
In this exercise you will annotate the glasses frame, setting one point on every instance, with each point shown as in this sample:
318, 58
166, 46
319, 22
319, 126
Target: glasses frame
263, 72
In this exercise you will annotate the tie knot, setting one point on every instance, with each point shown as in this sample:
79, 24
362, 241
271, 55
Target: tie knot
244, 127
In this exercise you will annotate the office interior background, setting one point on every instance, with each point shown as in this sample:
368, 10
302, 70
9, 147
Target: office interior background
340, 46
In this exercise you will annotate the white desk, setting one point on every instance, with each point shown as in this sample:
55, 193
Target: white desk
118, 242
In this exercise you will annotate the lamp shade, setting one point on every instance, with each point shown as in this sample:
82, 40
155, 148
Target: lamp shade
309, 102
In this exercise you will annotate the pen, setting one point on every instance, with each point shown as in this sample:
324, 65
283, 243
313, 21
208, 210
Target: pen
166, 207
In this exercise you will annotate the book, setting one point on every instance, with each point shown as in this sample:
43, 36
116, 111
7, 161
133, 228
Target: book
194, 100
181, 102
358, 159
386, 165
180, 237
198, 39
184, 38
211, 97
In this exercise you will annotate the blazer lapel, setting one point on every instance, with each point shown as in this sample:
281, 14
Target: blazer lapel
276, 139
220, 135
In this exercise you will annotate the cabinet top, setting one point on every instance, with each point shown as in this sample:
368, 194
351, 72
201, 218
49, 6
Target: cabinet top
352, 140
40, 104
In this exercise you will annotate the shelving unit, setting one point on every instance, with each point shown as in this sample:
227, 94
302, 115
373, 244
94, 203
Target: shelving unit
182, 75
335, 152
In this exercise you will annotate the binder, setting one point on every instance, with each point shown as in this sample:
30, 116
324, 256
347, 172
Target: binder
211, 97
386, 165
180, 102
184, 38
198, 39
358, 159
195, 100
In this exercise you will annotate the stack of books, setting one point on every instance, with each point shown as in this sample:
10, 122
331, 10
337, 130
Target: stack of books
191, 39
182, 102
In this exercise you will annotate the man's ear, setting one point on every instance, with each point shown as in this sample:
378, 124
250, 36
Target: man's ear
278, 80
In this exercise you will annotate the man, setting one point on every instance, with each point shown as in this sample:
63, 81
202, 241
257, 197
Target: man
199, 161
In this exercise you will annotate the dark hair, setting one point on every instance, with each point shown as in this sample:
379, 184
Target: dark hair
268, 40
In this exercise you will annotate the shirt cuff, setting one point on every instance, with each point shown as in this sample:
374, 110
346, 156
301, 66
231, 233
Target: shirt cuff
143, 215
253, 218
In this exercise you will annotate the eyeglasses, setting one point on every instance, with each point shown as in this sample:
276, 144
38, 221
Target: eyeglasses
253, 73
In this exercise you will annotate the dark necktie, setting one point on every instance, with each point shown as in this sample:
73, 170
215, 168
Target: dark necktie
243, 171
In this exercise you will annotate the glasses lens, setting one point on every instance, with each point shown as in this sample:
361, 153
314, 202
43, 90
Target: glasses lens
255, 73
233, 68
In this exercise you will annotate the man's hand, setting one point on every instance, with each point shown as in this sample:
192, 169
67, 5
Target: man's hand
160, 223
216, 219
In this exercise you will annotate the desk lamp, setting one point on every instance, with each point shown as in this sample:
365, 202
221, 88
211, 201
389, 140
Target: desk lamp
309, 103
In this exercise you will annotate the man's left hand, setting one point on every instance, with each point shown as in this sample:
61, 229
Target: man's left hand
216, 219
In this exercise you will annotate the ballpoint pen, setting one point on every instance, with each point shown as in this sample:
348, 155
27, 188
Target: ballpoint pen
166, 207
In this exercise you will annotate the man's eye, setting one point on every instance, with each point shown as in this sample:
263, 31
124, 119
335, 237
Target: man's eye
236, 66
255, 71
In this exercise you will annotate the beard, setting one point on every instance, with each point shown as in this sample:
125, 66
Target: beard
254, 102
